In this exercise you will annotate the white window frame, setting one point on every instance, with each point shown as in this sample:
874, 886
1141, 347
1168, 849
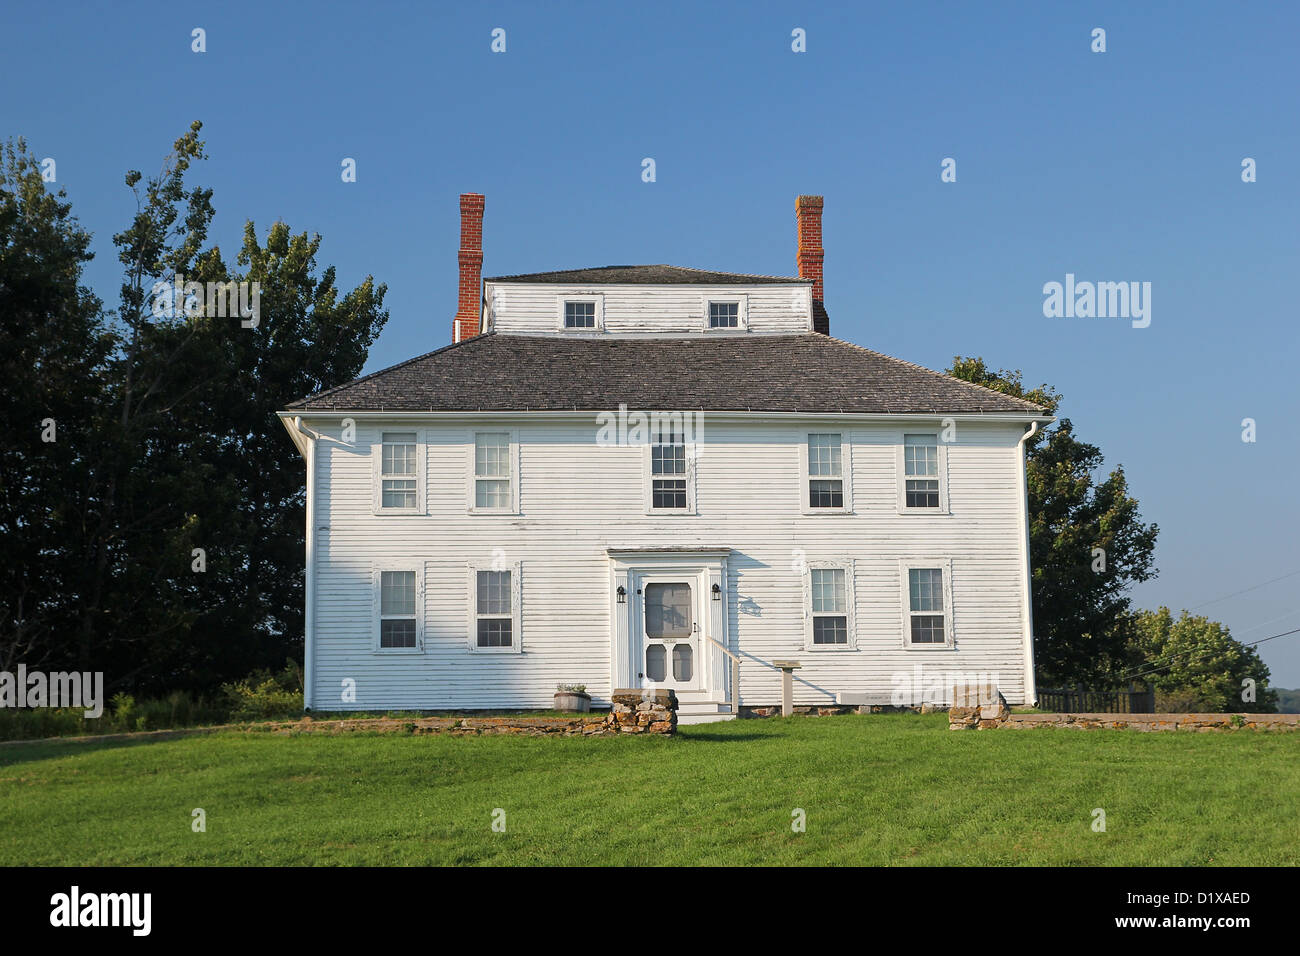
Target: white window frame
597, 297
472, 491
944, 565
742, 311
847, 565
901, 469
376, 578
377, 456
648, 479
472, 615
846, 472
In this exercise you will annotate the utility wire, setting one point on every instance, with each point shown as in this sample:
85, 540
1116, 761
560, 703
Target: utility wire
1170, 661
1289, 574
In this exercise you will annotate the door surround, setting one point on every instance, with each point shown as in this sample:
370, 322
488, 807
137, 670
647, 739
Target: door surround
702, 567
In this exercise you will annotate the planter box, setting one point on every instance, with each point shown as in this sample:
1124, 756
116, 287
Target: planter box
572, 703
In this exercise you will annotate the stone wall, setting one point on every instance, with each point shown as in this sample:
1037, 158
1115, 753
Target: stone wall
1195, 723
642, 712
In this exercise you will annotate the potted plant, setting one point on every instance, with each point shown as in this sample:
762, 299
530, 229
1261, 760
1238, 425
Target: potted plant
572, 698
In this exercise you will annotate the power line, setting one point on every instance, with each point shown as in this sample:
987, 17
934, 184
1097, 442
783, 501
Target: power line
1254, 587
1169, 662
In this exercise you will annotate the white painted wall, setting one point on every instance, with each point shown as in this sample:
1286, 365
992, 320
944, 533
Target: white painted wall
578, 498
525, 307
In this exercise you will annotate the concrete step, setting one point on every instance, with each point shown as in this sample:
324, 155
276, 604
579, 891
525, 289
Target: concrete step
703, 712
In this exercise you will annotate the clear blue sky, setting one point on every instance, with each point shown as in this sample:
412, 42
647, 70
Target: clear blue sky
1117, 166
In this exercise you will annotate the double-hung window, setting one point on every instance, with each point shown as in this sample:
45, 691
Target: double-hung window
921, 471
927, 604
398, 602
494, 473
399, 473
828, 606
668, 471
827, 475
494, 608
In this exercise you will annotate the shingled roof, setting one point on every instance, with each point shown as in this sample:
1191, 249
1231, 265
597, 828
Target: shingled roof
648, 275
804, 372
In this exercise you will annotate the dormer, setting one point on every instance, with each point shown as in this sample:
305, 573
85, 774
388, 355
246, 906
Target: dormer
621, 300
641, 299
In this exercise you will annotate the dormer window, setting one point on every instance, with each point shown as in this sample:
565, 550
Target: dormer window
724, 315
729, 312
580, 315
581, 312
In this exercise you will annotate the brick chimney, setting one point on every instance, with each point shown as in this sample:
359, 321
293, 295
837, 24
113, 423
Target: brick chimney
469, 302
809, 212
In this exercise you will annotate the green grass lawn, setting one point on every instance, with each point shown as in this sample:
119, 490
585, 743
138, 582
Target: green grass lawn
879, 789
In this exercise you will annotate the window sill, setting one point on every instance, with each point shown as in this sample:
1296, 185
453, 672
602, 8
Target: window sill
926, 648
397, 651
924, 511
830, 648
408, 512
475, 649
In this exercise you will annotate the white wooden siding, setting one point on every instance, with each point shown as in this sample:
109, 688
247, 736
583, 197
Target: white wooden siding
577, 499
513, 307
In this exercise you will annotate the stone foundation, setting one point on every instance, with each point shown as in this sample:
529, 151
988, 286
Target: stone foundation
833, 710
642, 712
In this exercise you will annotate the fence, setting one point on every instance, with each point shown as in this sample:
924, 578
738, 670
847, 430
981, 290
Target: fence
1077, 700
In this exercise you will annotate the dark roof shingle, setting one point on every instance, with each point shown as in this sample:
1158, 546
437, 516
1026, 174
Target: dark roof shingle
647, 275
803, 372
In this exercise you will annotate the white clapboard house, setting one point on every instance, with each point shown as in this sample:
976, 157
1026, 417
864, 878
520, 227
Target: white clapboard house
654, 476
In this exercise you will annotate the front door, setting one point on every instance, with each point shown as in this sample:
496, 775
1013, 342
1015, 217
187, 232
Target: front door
671, 656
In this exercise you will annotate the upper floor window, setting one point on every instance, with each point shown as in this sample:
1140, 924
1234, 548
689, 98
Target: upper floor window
492, 471
399, 472
921, 468
922, 479
668, 471
724, 315
579, 315
825, 472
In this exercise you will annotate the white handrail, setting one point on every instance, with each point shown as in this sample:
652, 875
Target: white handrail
735, 673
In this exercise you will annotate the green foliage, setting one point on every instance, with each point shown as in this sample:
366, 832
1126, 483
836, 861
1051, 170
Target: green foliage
1196, 663
266, 696
1288, 701
168, 438
53, 346
261, 695
1081, 615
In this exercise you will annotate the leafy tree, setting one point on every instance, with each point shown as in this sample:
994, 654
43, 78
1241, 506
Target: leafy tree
1198, 661
53, 342
168, 438
1081, 605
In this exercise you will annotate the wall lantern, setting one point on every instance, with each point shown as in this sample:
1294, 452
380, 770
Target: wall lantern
622, 594
717, 593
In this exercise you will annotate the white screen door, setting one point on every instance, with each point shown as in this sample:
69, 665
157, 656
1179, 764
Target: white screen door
671, 644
